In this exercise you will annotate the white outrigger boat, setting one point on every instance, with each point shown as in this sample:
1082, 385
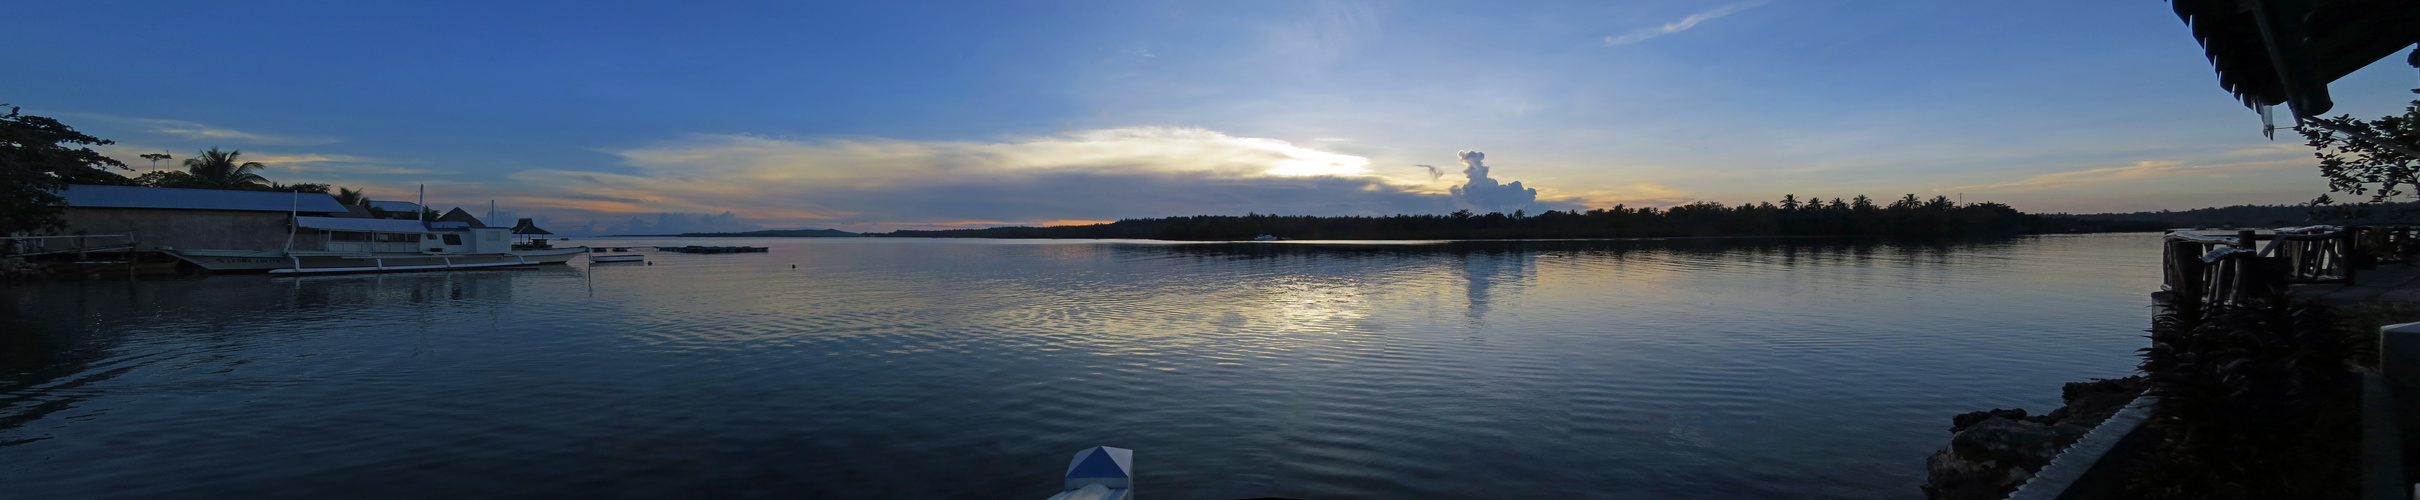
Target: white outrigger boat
356, 245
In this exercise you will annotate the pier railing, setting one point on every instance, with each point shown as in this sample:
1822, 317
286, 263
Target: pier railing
2214, 268
79, 244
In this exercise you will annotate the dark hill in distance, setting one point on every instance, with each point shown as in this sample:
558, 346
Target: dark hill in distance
777, 233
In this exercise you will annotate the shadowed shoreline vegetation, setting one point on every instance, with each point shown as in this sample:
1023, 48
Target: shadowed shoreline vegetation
1907, 217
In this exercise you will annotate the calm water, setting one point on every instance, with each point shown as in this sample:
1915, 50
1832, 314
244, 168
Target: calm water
973, 369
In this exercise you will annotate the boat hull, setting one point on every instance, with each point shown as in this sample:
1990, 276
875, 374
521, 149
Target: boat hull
275, 262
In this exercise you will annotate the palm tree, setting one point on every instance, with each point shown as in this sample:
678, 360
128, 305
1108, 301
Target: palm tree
351, 197
214, 169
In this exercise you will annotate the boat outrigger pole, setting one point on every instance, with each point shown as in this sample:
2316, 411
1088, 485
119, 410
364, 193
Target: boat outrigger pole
294, 225
293, 221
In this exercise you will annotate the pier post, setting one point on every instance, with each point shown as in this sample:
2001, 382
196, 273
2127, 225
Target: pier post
2388, 410
2350, 252
2185, 267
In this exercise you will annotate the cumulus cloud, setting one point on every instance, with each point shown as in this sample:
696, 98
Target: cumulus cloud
1678, 26
1482, 194
1090, 175
2139, 171
1434, 173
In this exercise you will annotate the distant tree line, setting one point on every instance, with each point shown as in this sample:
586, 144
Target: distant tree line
2323, 211
1860, 216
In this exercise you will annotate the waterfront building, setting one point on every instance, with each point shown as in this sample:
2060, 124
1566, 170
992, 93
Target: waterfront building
191, 218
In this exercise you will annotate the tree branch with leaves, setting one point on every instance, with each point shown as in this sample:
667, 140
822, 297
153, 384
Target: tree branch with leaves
2372, 157
38, 157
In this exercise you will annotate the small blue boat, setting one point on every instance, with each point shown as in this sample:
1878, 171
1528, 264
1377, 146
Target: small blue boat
1100, 473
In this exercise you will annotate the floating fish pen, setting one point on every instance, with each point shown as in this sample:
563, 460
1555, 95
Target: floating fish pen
700, 249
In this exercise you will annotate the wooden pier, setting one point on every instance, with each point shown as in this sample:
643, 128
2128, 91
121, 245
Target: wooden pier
87, 254
2339, 265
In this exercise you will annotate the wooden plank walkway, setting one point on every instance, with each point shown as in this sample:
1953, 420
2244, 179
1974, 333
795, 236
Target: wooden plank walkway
2386, 283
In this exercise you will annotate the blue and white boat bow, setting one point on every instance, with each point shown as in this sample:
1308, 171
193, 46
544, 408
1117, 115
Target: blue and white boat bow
1100, 473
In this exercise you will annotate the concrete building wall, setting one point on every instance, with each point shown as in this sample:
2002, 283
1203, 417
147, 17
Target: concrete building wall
184, 229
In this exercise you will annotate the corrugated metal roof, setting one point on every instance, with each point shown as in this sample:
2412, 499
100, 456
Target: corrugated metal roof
80, 195
348, 224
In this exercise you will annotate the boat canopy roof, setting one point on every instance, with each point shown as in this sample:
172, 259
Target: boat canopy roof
350, 224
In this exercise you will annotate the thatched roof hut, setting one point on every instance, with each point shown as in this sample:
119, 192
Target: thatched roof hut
2271, 52
528, 227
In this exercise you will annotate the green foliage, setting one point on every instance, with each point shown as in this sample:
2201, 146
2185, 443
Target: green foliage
213, 169
299, 187
1909, 217
38, 156
2255, 402
351, 197
2358, 164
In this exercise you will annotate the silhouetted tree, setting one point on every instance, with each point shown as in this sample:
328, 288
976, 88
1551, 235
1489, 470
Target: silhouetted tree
351, 197
38, 156
2374, 157
214, 169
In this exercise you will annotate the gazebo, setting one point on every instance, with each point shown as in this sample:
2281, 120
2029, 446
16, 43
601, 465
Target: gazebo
526, 236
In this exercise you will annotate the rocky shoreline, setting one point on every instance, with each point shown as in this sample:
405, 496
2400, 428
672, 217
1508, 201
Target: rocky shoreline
1993, 452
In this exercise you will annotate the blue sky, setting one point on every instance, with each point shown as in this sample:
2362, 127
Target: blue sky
885, 115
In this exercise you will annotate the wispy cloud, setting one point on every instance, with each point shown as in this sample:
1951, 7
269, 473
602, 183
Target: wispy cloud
199, 132
1634, 196
315, 165
1334, 29
2138, 171
1682, 25
335, 164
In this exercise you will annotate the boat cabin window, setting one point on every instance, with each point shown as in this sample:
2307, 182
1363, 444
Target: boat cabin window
348, 236
453, 239
494, 236
398, 238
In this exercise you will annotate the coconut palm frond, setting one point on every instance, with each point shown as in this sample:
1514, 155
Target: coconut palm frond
351, 197
214, 169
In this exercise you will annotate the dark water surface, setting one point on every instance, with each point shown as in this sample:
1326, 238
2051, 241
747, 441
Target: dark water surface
883, 368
